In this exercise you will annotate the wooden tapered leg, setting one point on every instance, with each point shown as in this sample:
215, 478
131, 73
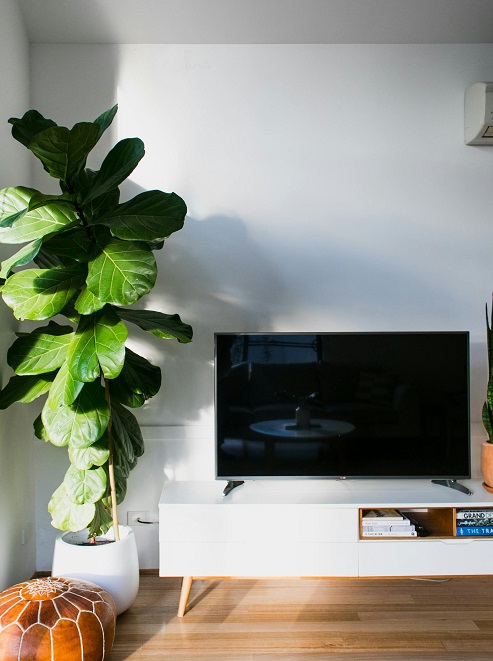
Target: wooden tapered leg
186, 586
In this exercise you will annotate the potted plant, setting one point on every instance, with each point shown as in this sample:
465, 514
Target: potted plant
487, 447
93, 260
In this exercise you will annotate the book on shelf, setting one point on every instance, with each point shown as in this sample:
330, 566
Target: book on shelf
382, 515
474, 515
384, 533
471, 531
397, 527
468, 523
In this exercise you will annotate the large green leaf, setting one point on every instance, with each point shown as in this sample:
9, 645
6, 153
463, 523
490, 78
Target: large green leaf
116, 167
31, 123
65, 388
23, 256
25, 389
85, 486
63, 151
74, 243
45, 260
104, 120
148, 216
126, 433
122, 273
39, 294
38, 353
14, 202
82, 423
99, 341
87, 303
67, 515
121, 485
139, 380
165, 326
101, 521
96, 454
41, 221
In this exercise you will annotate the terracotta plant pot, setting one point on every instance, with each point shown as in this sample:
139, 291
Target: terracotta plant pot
487, 465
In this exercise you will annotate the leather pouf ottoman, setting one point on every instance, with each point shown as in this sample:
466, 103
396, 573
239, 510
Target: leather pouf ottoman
56, 619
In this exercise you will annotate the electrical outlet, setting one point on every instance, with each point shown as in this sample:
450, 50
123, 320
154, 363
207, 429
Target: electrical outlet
138, 518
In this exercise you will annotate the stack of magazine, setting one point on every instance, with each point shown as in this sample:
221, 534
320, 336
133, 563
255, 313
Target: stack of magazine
474, 522
386, 523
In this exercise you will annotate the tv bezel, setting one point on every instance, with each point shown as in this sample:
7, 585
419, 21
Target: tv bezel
239, 478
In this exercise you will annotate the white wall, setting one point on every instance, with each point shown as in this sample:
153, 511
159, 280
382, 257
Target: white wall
328, 186
17, 559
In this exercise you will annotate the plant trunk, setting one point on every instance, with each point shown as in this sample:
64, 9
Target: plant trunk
111, 470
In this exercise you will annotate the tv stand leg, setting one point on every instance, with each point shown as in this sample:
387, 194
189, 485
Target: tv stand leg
453, 484
186, 586
232, 484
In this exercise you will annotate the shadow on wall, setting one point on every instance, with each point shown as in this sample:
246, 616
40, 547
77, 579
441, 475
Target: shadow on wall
217, 279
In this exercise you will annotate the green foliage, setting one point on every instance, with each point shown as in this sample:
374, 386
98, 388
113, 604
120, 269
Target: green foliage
92, 257
488, 404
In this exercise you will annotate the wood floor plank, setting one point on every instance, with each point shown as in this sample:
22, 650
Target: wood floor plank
309, 620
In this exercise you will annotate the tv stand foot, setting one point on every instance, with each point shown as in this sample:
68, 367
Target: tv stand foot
186, 586
232, 484
453, 484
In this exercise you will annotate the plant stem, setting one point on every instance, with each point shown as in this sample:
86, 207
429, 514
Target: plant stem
111, 470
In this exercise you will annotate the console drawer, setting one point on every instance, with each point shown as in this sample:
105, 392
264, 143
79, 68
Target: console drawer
258, 559
257, 523
421, 557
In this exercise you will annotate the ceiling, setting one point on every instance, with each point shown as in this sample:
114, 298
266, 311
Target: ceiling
259, 21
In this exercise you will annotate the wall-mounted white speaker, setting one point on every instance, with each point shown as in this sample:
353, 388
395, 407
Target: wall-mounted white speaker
478, 114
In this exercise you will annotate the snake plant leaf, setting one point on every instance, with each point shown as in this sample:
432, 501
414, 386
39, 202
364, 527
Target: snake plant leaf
82, 423
40, 294
38, 353
96, 454
85, 486
31, 123
74, 243
87, 303
23, 256
148, 216
138, 381
122, 273
14, 202
116, 167
67, 515
25, 389
64, 151
99, 342
39, 222
64, 389
101, 521
165, 326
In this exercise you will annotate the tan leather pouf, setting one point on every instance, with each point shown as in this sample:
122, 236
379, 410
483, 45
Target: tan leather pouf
56, 619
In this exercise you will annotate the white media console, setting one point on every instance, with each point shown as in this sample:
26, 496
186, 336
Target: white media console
312, 528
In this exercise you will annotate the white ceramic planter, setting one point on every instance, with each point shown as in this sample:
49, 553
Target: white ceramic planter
114, 567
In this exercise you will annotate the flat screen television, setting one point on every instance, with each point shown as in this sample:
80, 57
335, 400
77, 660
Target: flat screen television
342, 405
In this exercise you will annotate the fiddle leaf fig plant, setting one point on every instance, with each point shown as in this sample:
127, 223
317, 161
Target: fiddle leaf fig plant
83, 259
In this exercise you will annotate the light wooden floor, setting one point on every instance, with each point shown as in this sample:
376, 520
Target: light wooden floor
309, 620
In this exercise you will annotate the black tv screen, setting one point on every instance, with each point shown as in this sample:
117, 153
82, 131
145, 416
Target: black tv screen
342, 405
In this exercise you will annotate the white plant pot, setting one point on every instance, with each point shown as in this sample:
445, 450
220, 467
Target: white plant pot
114, 566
